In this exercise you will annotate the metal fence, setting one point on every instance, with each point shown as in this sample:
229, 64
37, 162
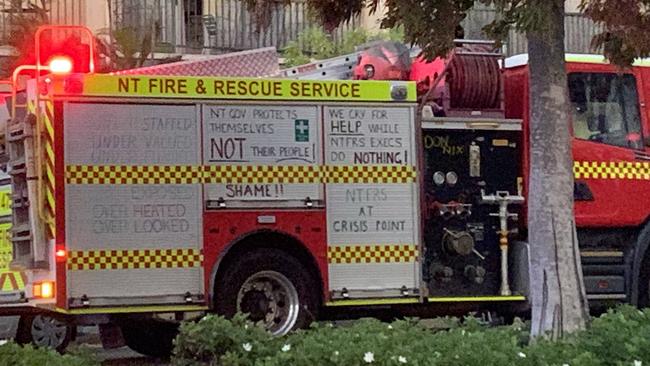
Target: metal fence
579, 30
56, 11
213, 25
217, 26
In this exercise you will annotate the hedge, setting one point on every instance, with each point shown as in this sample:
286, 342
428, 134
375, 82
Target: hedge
619, 337
12, 354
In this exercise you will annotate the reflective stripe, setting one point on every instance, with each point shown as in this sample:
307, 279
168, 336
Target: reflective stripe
476, 298
520, 60
133, 309
192, 174
397, 301
12, 281
46, 115
123, 174
134, 259
48, 167
6, 250
186, 87
611, 170
380, 253
367, 302
5, 201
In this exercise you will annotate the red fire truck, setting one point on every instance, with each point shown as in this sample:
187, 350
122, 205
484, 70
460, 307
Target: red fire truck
139, 195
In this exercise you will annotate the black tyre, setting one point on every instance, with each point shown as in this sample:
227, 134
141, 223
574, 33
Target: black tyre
644, 284
151, 337
272, 287
45, 331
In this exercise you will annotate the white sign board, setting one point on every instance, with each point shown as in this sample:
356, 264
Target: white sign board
259, 138
110, 211
370, 211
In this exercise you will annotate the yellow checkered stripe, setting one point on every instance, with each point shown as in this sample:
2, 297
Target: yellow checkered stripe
112, 259
611, 170
6, 249
184, 174
262, 174
378, 253
369, 174
126, 174
6, 257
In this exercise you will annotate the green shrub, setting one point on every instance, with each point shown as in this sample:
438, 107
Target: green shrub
314, 43
12, 354
620, 337
237, 341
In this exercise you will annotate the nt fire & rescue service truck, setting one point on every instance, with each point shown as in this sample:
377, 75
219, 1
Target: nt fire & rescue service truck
134, 195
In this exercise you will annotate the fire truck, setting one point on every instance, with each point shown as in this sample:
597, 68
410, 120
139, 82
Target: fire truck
282, 197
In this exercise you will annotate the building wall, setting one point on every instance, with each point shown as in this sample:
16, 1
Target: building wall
96, 16
91, 13
370, 22
571, 6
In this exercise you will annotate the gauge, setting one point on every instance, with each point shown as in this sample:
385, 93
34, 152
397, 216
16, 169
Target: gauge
439, 178
452, 178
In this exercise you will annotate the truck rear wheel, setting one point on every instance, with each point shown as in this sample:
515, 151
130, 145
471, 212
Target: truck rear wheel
151, 337
270, 286
46, 331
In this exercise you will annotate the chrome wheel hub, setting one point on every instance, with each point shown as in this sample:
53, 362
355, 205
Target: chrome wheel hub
270, 298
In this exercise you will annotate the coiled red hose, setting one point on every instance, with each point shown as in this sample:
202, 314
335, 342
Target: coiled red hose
474, 81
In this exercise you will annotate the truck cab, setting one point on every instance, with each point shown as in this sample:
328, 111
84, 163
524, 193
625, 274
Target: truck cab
609, 126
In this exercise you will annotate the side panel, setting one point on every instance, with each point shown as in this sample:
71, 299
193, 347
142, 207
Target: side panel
261, 155
133, 211
617, 182
371, 190
223, 228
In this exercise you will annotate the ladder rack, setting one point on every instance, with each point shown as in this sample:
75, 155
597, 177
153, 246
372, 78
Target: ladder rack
335, 68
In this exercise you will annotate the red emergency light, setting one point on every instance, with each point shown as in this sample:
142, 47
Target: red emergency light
60, 65
65, 49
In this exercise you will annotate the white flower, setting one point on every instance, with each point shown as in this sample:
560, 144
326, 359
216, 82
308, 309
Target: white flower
3, 342
637, 363
245, 326
247, 347
565, 364
336, 353
390, 326
369, 357
521, 354
437, 354
286, 348
401, 359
